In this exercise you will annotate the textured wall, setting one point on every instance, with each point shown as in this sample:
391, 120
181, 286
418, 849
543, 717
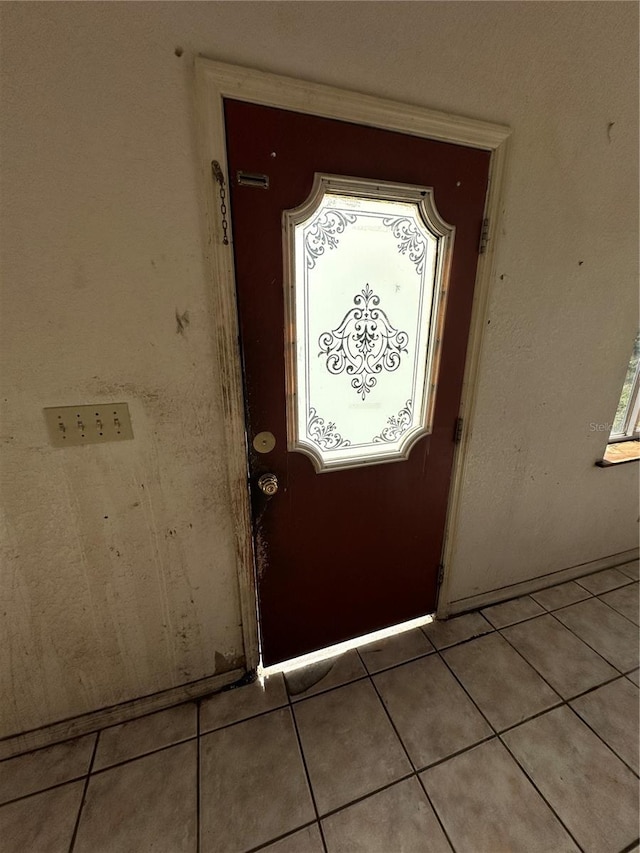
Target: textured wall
118, 574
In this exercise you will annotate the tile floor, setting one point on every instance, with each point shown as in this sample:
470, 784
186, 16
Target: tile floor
510, 729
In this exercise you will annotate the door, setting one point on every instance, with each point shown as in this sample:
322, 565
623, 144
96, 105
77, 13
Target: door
348, 537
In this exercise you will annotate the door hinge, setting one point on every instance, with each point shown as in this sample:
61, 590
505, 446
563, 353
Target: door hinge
440, 574
484, 237
457, 430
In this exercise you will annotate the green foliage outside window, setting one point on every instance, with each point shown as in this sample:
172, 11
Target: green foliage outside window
627, 388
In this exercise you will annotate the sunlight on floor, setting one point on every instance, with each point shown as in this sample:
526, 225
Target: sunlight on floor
333, 651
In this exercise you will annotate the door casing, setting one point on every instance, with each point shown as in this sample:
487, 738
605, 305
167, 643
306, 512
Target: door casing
216, 81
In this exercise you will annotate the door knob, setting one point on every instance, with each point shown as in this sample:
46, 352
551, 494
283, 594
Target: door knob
268, 483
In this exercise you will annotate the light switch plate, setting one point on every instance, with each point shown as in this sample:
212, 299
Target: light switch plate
73, 425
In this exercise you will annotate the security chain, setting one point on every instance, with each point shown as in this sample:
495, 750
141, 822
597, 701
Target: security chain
219, 177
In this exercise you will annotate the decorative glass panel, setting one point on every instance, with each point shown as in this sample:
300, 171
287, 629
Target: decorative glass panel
366, 265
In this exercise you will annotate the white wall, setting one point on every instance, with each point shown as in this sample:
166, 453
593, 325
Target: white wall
118, 573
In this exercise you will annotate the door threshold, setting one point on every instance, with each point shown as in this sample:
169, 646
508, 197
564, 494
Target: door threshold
340, 648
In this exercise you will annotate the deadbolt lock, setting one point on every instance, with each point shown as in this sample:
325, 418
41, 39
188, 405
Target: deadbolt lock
264, 442
268, 483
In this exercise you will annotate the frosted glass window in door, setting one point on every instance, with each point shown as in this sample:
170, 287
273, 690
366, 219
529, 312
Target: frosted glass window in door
366, 265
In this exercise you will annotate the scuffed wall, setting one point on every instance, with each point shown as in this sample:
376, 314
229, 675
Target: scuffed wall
118, 563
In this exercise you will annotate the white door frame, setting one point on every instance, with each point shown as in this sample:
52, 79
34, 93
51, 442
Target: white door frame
216, 81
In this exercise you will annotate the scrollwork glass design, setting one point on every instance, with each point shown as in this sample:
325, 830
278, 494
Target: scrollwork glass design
396, 424
324, 434
323, 233
410, 241
364, 344
366, 265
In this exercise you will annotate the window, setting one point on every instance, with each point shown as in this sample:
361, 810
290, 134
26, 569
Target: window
624, 439
366, 277
627, 420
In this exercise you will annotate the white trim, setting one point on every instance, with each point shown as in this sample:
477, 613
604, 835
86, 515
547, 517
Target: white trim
116, 714
484, 599
216, 81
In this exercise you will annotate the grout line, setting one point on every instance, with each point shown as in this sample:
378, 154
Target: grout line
599, 736
306, 770
561, 700
297, 697
411, 775
562, 703
96, 772
406, 751
615, 609
198, 774
435, 811
499, 737
628, 580
600, 655
162, 748
43, 790
631, 848
391, 722
544, 799
253, 716
100, 728
468, 695
485, 739
283, 836
396, 665
529, 663
552, 614
84, 794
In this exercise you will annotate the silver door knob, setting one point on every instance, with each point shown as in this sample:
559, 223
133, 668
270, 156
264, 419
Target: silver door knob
268, 483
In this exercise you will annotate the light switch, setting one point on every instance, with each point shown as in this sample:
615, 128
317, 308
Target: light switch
73, 425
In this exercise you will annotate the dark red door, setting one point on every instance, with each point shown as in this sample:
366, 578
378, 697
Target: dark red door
342, 553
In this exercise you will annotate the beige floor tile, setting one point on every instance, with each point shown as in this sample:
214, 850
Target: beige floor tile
612, 712
448, 632
631, 570
431, 712
487, 805
509, 612
42, 823
146, 734
307, 840
146, 804
589, 788
634, 677
503, 685
603, 581
231, 706
605, 630
253, 786
625, 600
324, 675
397, 819
349, 745
563, 660
394, 650
561, 595
44, 768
